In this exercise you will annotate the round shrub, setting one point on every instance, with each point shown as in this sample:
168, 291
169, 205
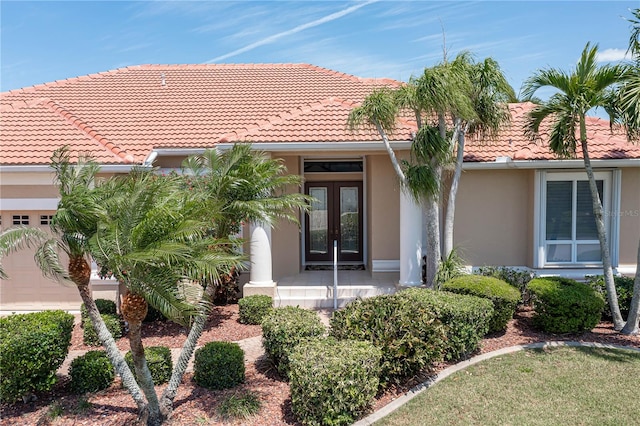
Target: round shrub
89, 334
283, 329
565, 306
154, 315
158, 360
504, 297
219, 365
105, 306
253, 309
624, 290
410, 337
466, 318
91, 372
333, 381
32, 348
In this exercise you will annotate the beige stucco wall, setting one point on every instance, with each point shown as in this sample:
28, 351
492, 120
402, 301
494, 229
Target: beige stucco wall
494, 217
629, 216
28, 191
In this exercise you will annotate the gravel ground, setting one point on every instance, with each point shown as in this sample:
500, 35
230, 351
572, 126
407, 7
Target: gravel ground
198, 406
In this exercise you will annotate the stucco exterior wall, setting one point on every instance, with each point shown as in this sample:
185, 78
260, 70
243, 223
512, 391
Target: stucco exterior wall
629, 216
494, 217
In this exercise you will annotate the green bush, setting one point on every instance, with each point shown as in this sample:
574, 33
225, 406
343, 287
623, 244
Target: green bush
91, 372
253, 309
158, 360
90, 336
219, 365
504, 297
624, 290
565, 306
283, 329
333, 381
154, 315
466, 318
105, 306
410, 337
32, 348
515, 277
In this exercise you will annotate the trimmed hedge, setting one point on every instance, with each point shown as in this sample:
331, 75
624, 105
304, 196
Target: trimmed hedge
466, 318
32, 348
105, 306
283, 329
624, 290
219, 365
158, 360
565, 306
252, 309
89, 334
333, 382
91, 372
515, 277
504, 297
410, 337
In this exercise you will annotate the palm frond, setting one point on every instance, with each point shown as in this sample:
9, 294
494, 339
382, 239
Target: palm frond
378, 108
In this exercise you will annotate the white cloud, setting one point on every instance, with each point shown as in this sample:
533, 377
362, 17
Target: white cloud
612, 55
272, 38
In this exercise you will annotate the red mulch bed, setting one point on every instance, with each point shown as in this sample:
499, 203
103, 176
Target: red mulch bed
195, 405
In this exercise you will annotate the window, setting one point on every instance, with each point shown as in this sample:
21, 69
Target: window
20, 219
45, 219
568, 233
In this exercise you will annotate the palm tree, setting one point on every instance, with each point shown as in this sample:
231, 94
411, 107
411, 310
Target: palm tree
73, 224
240, 186
586, 87
155, 240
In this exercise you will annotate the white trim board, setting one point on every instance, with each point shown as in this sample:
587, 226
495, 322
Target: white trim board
385, 265
28, 204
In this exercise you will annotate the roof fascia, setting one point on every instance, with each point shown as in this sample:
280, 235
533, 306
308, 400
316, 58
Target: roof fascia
109, 168
321, 146
549, 164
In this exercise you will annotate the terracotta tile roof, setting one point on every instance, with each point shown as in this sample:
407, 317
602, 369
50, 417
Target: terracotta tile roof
121, 115
511, 141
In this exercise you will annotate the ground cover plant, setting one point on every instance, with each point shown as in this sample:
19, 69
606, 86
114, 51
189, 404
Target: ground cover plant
531, 387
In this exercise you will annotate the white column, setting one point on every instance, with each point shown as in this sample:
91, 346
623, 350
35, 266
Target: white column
410, 241
261, 267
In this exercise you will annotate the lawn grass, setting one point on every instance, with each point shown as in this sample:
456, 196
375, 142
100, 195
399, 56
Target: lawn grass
558, 386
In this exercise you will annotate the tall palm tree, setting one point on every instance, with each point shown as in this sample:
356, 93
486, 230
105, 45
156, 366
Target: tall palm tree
155, 240
586, 87
73, 224
241, 186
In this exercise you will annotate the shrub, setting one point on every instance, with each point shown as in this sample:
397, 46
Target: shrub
466, 318
504, 297
565, 306
219, 365
105, 306
624, 290
239, 406
253, 309
91, 372
333, 381
32, 348
410, 337
90, 336
515, 277
158, 360
449, 268
154, 315
286, 327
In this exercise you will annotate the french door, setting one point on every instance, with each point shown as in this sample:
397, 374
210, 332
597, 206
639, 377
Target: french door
335, 215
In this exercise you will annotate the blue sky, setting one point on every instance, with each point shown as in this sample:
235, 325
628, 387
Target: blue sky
46, 41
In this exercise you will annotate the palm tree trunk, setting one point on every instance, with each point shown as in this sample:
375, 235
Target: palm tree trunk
392, 155
451, 200
612, 295
432, 224
113, 353
189, 346
143, 374
631, 327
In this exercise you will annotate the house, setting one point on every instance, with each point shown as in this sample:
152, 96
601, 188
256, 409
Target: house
517, 205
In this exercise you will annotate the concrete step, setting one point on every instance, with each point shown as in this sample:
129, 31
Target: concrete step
318, 296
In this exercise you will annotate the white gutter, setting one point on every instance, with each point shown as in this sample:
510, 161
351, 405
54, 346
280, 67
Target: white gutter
318, 146
507, 163
113, 168
174, 151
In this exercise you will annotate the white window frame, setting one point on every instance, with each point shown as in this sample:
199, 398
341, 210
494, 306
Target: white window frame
610, 204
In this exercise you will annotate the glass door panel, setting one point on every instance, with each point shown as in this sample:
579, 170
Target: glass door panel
349, 220
318, 221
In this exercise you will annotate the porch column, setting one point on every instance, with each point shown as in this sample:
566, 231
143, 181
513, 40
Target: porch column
260, 256
410, 241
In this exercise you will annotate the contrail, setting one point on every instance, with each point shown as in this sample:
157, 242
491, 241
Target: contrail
297, 29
